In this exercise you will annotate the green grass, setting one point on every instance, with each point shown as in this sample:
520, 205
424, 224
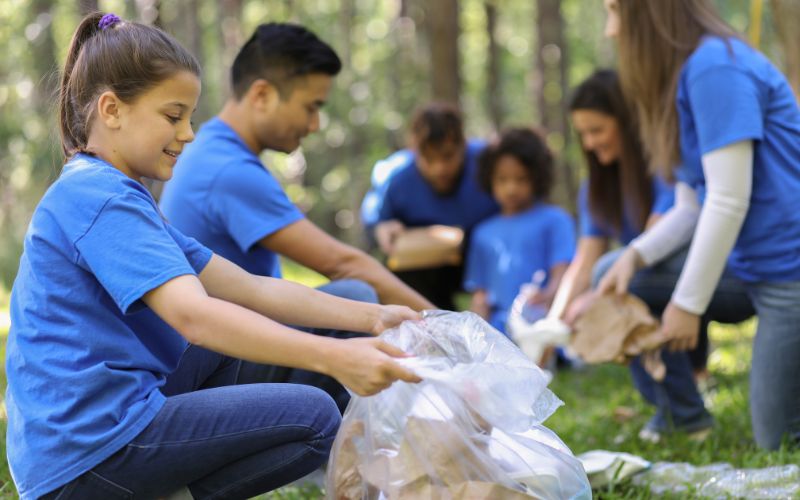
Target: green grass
587, 422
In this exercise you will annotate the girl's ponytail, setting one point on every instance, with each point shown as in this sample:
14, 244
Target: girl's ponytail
73, 134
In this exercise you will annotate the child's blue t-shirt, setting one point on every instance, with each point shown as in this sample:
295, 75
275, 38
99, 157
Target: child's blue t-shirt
592, 226
505, 251
408, 198
222, 195
728, 93
85, 356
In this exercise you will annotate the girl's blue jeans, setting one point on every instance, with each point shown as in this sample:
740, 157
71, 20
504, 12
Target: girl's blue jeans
222, 434
775, 371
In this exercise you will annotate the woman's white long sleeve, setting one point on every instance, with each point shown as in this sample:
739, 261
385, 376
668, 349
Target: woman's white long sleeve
673, 230
729, 178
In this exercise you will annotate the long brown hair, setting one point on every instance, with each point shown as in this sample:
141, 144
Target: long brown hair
624, 188
126, 58
655, 39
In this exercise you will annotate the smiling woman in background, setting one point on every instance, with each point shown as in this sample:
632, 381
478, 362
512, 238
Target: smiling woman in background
723, 120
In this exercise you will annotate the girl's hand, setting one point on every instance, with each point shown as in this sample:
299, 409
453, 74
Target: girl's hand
617, 279
390, 316
680, 328
365, 365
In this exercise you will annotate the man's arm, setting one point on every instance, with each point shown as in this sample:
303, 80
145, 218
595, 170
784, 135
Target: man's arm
307, 244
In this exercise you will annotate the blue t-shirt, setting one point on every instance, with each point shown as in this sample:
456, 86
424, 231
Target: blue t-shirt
222, 195
381, 173
729, 93
505, 251
85, 356
592, 226
408, 198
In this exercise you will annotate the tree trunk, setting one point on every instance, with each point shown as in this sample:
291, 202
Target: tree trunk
550, 85
441, 21
494, 99
88, 6
786, 14
232, 37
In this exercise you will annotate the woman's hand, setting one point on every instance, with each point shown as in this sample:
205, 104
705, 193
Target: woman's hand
365, 365
390, 316
680, 328
618, 278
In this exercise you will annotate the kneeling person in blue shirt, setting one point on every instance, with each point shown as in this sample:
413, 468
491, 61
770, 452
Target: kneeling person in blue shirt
527, 235
222, 195
433, 182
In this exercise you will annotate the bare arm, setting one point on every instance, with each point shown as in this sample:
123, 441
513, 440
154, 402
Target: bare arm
290, 303
577, 277
363, 364
312, 247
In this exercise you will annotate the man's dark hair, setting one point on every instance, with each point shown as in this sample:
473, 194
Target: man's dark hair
279, 53
435, 124
529, 149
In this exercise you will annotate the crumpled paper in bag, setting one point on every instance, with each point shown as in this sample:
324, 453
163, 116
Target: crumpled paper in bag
471, 429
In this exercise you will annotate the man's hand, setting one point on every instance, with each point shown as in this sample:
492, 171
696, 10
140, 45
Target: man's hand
390, 316
365, 365
618, 278
386, 234
680, 328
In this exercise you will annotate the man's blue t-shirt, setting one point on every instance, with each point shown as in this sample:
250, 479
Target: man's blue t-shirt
505, 251
592, 226
379, 179
222, 195
85, 356
408, 198
728, 93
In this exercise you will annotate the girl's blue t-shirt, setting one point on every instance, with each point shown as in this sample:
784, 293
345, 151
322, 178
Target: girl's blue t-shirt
505, 251
592, 226
85, 356
728, 92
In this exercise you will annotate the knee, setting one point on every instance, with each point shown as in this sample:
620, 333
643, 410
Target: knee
326, 418
352, 289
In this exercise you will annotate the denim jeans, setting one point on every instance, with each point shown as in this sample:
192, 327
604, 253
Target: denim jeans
678, 402
775, 370
222, 432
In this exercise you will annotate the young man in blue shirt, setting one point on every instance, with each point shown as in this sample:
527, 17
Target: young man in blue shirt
433, 182
222, 195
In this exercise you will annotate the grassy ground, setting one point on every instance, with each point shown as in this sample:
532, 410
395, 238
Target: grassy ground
587, 421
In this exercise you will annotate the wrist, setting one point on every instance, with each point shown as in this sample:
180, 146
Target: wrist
636, 257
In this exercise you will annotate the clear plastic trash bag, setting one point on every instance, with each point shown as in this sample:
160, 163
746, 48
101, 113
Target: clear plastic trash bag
471, 429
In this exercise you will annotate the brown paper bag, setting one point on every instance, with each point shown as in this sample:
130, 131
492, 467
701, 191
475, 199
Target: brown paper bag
427, 247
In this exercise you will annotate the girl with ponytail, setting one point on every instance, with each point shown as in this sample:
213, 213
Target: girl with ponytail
125, 362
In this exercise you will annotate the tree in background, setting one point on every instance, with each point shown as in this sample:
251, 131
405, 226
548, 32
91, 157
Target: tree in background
498, 59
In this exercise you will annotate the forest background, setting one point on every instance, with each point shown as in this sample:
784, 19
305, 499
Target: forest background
506, 62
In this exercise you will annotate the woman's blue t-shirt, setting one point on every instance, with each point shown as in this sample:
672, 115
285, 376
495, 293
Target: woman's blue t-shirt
85, 356
728, 93
592, 226
505, 251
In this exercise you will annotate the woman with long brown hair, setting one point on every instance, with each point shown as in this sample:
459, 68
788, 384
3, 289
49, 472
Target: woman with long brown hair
721, 119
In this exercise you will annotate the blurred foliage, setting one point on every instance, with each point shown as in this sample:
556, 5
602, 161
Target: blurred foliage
385, 77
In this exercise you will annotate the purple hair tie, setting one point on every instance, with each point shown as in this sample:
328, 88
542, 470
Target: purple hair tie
108, 21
